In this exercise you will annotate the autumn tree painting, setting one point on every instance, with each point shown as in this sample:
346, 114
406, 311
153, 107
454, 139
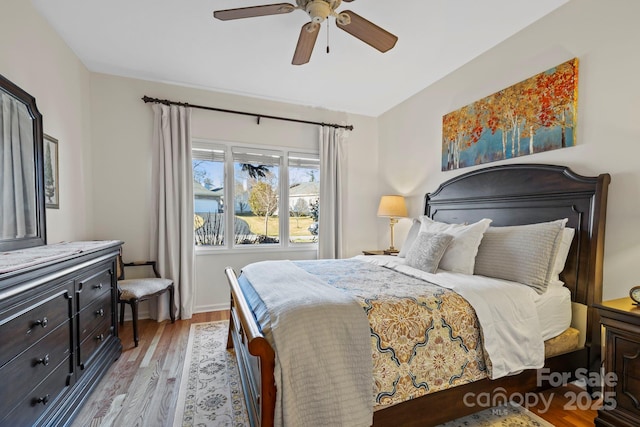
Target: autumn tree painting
537, 114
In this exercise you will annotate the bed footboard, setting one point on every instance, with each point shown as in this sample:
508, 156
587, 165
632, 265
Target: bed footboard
256, 358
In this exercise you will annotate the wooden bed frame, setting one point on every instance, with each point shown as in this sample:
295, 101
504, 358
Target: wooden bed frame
509, 195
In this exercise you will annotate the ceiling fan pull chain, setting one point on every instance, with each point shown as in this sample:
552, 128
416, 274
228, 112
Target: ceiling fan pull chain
327, 36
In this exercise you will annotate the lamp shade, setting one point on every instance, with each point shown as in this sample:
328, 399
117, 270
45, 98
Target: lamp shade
392, 206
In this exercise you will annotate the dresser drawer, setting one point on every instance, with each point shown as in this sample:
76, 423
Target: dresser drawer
29, 323
93, 315
94, 340
29, 369
93, 286
39, 399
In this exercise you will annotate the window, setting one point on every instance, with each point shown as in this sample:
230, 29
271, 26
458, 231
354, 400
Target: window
275, 196
256, 175
304, 197
208, 163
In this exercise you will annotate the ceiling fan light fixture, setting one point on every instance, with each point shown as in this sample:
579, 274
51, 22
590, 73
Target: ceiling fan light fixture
318, 10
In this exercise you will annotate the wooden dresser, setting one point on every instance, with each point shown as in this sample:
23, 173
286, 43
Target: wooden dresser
621, 320
58, 329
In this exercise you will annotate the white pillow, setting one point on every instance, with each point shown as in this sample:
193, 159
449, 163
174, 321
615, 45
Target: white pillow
521, 253
561, 256
427, 251
411, 236
460, 256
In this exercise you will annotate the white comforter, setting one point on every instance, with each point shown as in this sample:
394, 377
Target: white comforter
506, 312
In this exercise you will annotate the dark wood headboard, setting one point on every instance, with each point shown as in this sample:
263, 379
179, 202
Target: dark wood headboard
520, 194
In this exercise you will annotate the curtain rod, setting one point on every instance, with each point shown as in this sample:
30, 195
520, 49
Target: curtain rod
147, 99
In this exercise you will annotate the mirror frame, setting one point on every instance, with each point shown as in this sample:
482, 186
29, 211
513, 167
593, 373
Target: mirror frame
38, 163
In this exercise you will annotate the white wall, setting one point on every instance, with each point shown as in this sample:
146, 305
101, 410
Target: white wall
604, 36
34, 57
121, 167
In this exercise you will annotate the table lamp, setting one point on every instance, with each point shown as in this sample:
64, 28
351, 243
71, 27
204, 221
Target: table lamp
393, 207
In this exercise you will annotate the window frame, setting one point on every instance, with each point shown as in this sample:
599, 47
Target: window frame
285, 245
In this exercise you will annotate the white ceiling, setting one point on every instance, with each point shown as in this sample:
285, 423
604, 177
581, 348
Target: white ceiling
179, 42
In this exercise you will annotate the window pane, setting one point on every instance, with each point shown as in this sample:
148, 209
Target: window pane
256, 182
208, 195
304, 197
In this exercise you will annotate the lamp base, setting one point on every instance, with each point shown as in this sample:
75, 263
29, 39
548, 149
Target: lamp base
390, 251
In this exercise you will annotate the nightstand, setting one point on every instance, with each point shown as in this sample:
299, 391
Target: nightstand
379, 252
621, 320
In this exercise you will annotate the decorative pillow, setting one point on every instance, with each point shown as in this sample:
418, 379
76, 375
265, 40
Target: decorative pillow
411, 237
561, 256
521, 253
461, 254
427, 250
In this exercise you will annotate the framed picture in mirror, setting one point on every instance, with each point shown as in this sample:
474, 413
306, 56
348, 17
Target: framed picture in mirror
51, 187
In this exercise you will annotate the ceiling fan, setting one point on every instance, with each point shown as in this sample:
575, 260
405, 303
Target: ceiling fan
318, 10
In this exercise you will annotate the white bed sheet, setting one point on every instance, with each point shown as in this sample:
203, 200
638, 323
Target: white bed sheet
554, 311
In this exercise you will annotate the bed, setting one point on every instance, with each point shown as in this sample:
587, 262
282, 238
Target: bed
510, 195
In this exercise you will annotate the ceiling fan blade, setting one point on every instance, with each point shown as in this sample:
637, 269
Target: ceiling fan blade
250, 12
307, 39
368, 32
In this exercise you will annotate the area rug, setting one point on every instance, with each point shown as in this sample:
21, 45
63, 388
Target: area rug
509, 415
210, 393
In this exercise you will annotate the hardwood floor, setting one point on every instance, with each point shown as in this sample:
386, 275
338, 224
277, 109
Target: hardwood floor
141, 388
570, 406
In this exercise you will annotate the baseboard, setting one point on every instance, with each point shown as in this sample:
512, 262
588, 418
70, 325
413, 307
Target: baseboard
144, 313
211, 307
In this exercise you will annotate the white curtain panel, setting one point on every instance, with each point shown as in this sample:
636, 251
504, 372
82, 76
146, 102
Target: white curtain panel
17, 174
332, 174
172, 207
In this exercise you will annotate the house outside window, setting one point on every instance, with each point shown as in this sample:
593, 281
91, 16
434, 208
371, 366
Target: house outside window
274, 193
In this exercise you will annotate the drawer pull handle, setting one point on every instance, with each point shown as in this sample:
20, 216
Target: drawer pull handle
100, 312
44, 322
44, 400
98, 286
44, 360
100, 337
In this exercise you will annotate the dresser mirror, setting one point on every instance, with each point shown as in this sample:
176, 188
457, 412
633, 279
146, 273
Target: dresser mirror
22, 204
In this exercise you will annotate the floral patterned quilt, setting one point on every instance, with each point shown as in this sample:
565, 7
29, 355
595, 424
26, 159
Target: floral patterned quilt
424, 338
